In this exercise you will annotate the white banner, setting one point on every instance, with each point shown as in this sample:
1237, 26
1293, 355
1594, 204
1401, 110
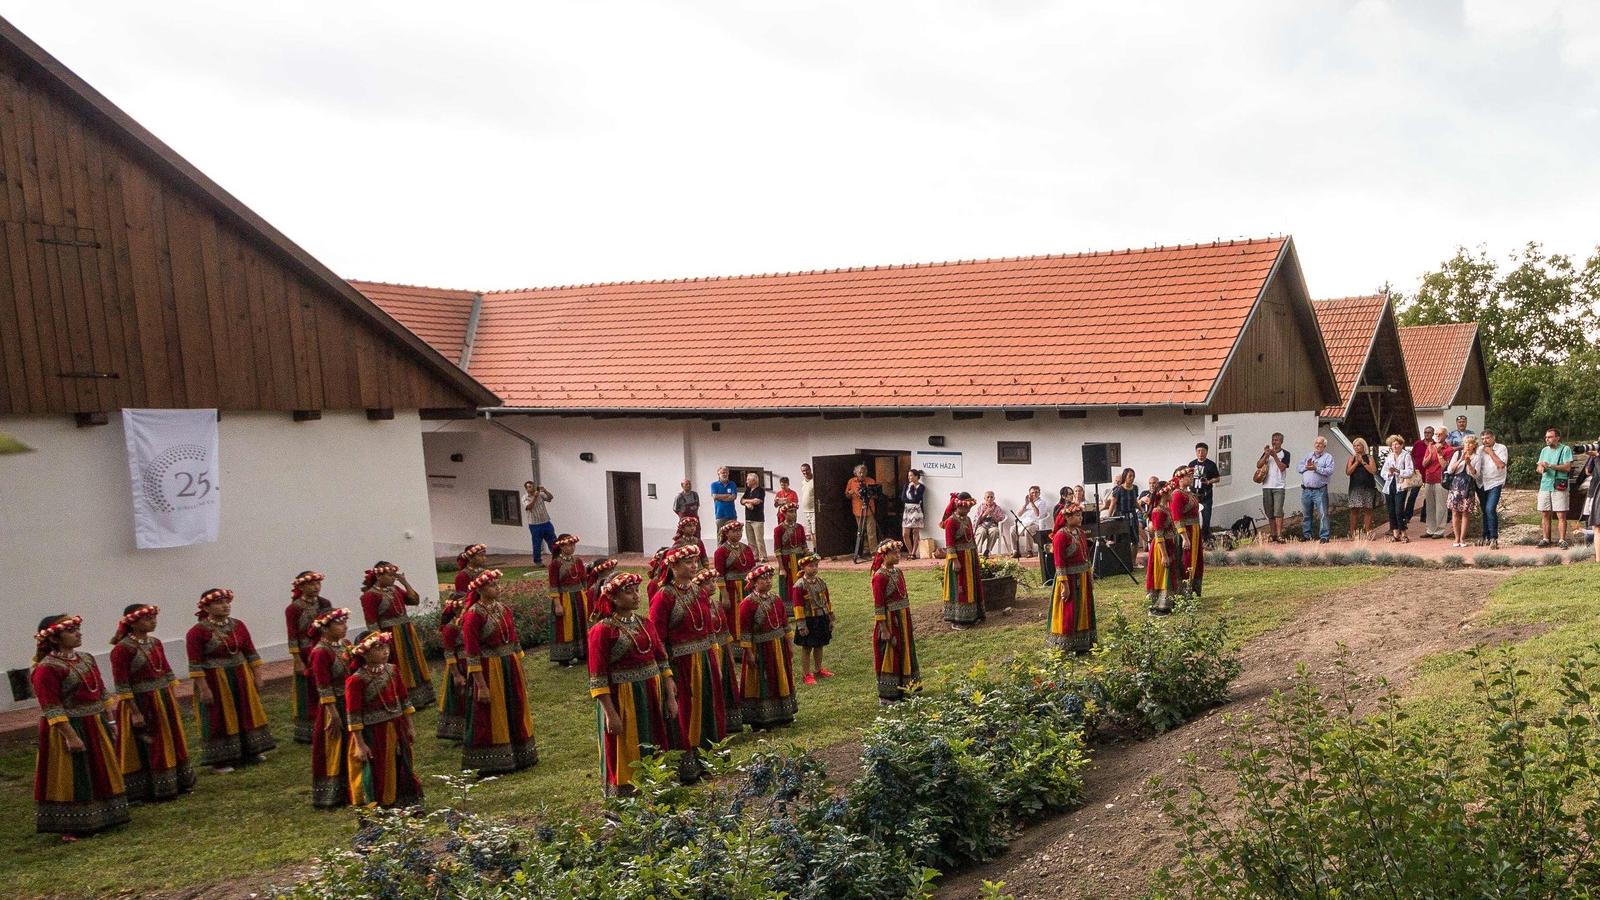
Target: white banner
937, 463
172, 460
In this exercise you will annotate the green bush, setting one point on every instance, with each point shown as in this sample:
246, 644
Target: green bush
1334, 802
1410, 561
1384, 558
1292, 558
1554, 558
1491, 561
1155, 673
1453, 561
1360, 556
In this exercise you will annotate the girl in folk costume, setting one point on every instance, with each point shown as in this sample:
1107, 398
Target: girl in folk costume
767, 682
688, 535
733, 562
499, 734
1072, 625
330, 663
379, 712
77, 778
599, 573
453, 694
469, 565
305, 604
789, 542
1163, 567
1186, 518
569, 603
385, 595
963, 594
632, 684
223, 664
683, 620
151, 745
894, 647
813, 618
657, 572
709, 584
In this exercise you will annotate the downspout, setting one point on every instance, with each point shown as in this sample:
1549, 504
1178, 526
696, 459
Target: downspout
533, 445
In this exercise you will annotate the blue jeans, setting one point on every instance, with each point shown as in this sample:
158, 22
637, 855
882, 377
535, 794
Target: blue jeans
1314, 500
1490, 501
1396, 500
543, 533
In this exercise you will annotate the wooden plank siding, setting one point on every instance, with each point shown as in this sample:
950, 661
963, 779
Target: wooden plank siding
1474, 390
112, 266
1273, 369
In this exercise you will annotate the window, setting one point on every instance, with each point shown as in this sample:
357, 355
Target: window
1017, 453
764, 478
1225, 456
505, 507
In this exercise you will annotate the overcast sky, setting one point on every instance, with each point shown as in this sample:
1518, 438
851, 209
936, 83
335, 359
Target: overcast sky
497, 145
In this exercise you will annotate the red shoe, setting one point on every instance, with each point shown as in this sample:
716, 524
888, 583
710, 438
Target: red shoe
824, 673
810, 678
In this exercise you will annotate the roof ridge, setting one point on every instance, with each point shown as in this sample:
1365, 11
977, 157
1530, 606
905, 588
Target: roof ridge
1379, 296
1082, 254
415, 287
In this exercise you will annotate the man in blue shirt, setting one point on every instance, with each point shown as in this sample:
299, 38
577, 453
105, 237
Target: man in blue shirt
723, 494
1459, 436
1315, 471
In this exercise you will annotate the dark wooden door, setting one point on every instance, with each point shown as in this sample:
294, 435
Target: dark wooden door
836, 528
627, 512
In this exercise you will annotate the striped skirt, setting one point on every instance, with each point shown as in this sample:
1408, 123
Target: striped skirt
330, 778
387, 777
452, 705
766, 694
895, 663
303, 701
78, 793
407, 657
702, 716
963, 597
732, 593
499, 734
1072, 626
233, 730
155, 758
569, 617
788, 574
1193, 558
1163, 578
645, 730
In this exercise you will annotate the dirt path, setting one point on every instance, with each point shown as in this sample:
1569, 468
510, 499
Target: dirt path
1109, 846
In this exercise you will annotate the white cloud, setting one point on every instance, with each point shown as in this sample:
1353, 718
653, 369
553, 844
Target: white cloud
505, 144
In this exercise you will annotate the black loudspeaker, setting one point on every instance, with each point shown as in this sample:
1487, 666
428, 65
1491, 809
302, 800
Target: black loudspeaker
1096, 463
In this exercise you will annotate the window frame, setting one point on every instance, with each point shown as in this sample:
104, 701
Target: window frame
500, 495
1000, 448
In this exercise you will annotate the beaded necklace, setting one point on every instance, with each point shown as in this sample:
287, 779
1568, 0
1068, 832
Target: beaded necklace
632, 626
227, 637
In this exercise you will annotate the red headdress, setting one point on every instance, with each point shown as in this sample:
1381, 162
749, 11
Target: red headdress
807, 559
452, 606
301, 580
761, 571
468, 553
655, 561
373, 639
487, 576
689, 523
732, 528
131, 616
370, 577
567, 540
674, 557
1181, 473
208, 597
328, 618
786, 505
604, 565
703, 576
48, 630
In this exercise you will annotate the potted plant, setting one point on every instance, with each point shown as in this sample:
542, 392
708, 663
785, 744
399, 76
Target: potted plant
1000, 576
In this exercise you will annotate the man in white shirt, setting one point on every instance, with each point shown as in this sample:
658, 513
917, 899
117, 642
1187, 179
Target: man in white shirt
1491, 465
808, 504
1029, 518
1275, 460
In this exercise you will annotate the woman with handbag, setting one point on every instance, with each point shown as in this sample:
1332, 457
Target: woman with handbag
1399, 473
1363, 494
1462, 475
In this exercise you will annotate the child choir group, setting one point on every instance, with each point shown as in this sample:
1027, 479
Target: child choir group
706, 649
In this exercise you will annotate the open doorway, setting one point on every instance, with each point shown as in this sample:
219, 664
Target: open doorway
627, 512
836, 525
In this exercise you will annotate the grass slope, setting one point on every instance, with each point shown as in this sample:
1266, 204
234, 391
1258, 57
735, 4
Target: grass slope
259, 819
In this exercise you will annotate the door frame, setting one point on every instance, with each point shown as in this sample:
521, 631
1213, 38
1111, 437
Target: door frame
615, 527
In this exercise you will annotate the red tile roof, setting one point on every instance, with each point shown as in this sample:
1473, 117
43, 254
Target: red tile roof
1349, 328
1436, 361
437, 315
1125, 328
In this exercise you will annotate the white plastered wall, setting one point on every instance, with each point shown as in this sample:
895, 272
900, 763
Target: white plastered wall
333, 495
665, 451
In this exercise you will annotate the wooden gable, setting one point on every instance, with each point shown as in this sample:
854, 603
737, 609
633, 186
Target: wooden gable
1474, 389
1381, 404
128, 279
1279, 363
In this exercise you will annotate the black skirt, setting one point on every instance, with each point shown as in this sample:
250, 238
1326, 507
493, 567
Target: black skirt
819, 632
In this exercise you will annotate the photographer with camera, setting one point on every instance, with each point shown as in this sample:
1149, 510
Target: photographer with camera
1554, 468
864, 494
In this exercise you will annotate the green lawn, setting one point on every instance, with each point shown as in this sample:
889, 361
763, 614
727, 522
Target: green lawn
259, 819
1544, 615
